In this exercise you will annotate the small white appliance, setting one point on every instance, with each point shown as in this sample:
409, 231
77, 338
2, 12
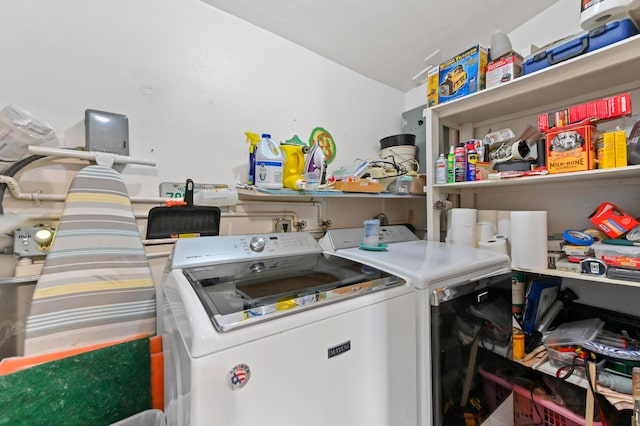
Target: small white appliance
457, 288
269, 330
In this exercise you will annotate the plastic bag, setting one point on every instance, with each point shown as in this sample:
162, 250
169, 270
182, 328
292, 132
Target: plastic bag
18, 130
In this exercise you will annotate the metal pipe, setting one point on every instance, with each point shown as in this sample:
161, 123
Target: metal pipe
14, 190
102, 158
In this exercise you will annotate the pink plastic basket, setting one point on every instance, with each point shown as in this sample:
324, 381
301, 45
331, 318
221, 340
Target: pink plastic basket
552, 414
496, 389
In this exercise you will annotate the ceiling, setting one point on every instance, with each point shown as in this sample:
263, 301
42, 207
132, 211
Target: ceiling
386, 40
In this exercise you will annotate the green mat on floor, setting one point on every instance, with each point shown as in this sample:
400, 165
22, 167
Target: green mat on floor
95, 388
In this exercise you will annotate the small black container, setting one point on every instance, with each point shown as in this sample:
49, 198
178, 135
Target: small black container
398, 140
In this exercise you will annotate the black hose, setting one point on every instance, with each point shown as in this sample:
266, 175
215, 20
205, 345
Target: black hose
12, 170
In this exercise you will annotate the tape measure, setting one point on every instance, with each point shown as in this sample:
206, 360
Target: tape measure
577, 238
634, 234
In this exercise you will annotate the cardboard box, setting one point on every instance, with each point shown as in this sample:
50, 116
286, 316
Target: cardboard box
504, 69
606, 150
612, 220
433, 77
611, 149
360, 185
463, 74
603, 109
571, 148
621, 148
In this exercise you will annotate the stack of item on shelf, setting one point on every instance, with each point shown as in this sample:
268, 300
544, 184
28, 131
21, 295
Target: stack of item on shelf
566, 140
473, 70
394, 171
614, 350
604, 22
563, 337
612, 248
573, 143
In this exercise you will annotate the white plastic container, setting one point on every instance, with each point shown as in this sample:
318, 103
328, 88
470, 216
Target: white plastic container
269, 164
372, 232
600, 12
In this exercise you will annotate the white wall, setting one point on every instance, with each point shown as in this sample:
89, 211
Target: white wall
191, 79
557, 22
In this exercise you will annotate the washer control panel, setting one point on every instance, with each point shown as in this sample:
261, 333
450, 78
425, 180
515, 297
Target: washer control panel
190, 252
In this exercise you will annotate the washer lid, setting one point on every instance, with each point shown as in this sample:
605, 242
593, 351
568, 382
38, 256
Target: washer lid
243, 293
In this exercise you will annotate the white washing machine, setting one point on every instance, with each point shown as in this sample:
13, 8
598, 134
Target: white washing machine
269, 330
457, 288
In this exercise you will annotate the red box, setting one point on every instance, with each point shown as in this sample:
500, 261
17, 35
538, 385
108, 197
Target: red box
571, 148
611, 220
602, 109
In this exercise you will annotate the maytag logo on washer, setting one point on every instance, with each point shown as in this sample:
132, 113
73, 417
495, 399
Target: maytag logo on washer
239, 376
339, 350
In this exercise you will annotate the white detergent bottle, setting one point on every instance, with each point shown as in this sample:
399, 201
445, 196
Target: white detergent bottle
269, 162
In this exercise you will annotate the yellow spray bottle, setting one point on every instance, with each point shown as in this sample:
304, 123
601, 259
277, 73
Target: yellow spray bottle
252, 140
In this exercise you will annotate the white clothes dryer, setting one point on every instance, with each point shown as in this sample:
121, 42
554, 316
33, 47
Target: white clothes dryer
457, 288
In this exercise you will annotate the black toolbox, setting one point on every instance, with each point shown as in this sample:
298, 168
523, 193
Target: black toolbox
601, 36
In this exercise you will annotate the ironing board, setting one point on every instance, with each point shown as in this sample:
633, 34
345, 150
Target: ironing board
96, 284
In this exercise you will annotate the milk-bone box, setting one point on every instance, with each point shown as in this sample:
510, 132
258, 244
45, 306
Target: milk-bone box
571, 148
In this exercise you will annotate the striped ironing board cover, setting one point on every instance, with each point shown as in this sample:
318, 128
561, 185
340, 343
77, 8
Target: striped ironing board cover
96, 284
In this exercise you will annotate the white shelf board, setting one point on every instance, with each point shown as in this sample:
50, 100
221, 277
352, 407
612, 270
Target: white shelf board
250, 193
583, 277
618, 173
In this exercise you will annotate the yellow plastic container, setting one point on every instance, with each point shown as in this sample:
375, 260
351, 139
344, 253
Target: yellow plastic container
293, 166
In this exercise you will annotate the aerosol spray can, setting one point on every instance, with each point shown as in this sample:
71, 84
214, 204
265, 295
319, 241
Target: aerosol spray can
472, 160
460, 163
451, 166
441, 169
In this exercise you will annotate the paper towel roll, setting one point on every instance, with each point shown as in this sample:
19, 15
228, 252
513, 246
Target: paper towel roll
484, 231
488, 216
464, 217
529, 239
464, 235
498, 246
503, 218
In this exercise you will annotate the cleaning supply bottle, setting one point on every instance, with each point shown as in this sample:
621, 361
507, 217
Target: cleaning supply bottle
472, 160
451, 166
269, 162
441, 169
252, 140
293, 165
460, 163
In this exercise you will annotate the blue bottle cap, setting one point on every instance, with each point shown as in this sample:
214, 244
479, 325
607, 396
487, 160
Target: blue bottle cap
266, 135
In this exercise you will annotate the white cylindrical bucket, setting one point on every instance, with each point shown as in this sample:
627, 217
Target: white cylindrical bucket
402, 155
598, 12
